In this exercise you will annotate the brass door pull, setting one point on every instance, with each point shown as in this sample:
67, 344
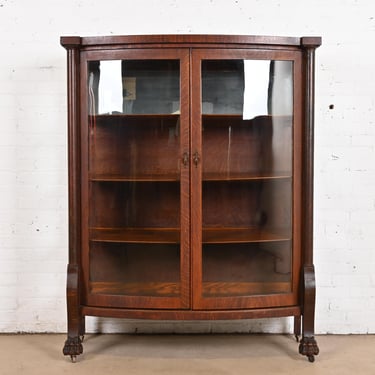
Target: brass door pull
185, 159
196, 158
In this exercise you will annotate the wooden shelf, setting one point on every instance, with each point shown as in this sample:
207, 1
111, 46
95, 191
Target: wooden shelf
222, 119
243, 235
157, 289
229, 289
207, 176
172, 289
218, 176
209, 119
172, 235
129, 119
136, 235
139, 178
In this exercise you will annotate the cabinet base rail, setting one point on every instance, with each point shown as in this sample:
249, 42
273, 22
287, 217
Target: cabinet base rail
307, 345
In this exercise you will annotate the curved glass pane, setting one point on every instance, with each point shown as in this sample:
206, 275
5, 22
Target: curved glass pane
247, 121
134, 177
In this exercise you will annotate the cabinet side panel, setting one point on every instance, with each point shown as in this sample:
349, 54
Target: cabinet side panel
76, 322
74, 154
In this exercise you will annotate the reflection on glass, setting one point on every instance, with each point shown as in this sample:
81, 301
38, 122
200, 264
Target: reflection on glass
248, 87
110, 87
256, 78
134, 86
222, 86
134, 177
247, 118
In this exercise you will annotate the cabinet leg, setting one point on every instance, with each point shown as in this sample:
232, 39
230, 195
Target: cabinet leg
76, 321
297, 327
82, 328
73, 347
308, 345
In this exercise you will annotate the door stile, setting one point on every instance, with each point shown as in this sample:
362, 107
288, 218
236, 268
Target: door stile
196, 179
185, 179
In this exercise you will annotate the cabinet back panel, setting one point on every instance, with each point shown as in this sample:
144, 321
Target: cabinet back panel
134, 147
246, 269
134, 262
247, 204
135, 204
232, 145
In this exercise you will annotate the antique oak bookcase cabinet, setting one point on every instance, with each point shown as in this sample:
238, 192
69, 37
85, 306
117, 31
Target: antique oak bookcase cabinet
191, 179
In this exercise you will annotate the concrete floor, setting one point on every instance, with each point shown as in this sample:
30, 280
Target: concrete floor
186, 354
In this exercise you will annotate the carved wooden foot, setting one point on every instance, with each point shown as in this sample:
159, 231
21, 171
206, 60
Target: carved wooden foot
73, 347
297, 327
309, 348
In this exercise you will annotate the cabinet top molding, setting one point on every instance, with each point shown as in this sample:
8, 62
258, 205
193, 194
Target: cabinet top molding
193, 39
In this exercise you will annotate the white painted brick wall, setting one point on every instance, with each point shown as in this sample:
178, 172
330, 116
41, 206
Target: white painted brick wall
33, 168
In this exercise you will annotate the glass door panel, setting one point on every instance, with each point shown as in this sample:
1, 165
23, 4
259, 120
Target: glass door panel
246, 137
135, 183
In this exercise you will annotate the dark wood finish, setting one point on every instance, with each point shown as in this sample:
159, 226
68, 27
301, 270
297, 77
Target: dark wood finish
171, 235
137, 289
184, 215
308, 345
277, 312
76, 321
248, 142
243, 288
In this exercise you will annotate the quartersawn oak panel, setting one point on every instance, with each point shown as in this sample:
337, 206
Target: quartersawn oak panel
221, 289
230, 289
155, 289
172, 235
134, 263
135, 145
135, 204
